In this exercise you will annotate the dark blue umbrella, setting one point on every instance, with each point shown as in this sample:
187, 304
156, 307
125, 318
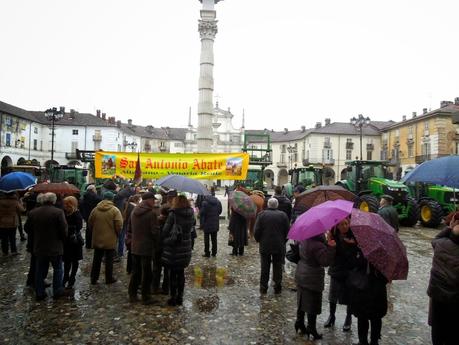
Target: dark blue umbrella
183, 184
17, 181
443, 171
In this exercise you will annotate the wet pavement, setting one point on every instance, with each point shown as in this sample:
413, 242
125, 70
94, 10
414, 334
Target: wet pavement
222, 305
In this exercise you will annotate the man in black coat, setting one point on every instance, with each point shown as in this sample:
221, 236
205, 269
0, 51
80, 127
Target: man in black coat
209, 212
285, 205
145, 237
271, 229
89, 202
48, 228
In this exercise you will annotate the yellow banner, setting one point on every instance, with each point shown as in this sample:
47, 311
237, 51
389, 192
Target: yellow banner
209, 166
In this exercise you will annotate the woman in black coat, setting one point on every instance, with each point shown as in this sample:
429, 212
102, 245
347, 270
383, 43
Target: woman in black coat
176, 254
346, 252
443, 287
73, 248
368, 299
315, 254
238, 231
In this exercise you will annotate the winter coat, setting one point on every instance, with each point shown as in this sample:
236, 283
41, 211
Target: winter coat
345, 258
238, 228
371, 302
144, 229
285, 205
73, 251
9, 208
271, 229
177, 254
298, 210
444, 275
106, 223
121, 197
314, 256
48, 228
390, 215
209, 212
88, 203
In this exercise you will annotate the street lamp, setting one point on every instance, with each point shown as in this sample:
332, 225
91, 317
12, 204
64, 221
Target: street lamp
133, 145
53, 115
359, 123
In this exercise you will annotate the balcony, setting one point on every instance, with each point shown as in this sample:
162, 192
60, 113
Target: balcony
281, 164
71, 156
327, 145
422, 159
370, 147
330, 161
97, 137
349, 146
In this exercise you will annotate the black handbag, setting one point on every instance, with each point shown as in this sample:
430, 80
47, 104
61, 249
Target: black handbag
293, 254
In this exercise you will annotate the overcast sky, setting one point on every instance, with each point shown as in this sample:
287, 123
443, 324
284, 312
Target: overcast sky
287, 62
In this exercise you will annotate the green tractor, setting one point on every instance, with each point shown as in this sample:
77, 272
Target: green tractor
435, 202
71, 174
368, 180
309, 177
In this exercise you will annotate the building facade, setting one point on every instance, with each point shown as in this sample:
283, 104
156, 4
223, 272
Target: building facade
422, 137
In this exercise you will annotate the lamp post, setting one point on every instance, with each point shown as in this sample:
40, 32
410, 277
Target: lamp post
133, 145
359, 122
53, 115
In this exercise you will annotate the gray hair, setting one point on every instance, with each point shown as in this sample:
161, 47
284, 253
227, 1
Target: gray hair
91, 187
273, 203
40, 198
49, 198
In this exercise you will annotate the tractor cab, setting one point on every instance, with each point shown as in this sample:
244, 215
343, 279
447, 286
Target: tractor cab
369, 181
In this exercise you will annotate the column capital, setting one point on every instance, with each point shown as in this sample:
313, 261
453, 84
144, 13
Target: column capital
208, 29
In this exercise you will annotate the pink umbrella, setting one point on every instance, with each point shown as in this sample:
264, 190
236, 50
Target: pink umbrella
380, 244
319, 219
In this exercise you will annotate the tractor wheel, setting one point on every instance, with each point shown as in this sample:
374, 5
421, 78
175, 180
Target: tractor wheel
431, 213
413, 213
367, 203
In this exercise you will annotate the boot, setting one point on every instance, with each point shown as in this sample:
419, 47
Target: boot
311, 328
331, 318
299, 323
347, 322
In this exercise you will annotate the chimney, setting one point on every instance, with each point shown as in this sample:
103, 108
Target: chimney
285, 130
118, 124
414, 114
104, 116
327, 121
149, 129
98, 112
130, 122
456, 101
111, 120
424, 111
62, 110
445, 103
318, 125
404, 118
303, 129
72, 114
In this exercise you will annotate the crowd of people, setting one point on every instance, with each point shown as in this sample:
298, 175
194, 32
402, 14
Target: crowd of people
156, 230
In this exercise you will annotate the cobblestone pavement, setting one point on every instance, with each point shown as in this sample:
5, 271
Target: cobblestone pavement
221, 305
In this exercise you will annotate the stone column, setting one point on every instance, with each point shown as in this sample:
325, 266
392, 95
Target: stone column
207, 31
